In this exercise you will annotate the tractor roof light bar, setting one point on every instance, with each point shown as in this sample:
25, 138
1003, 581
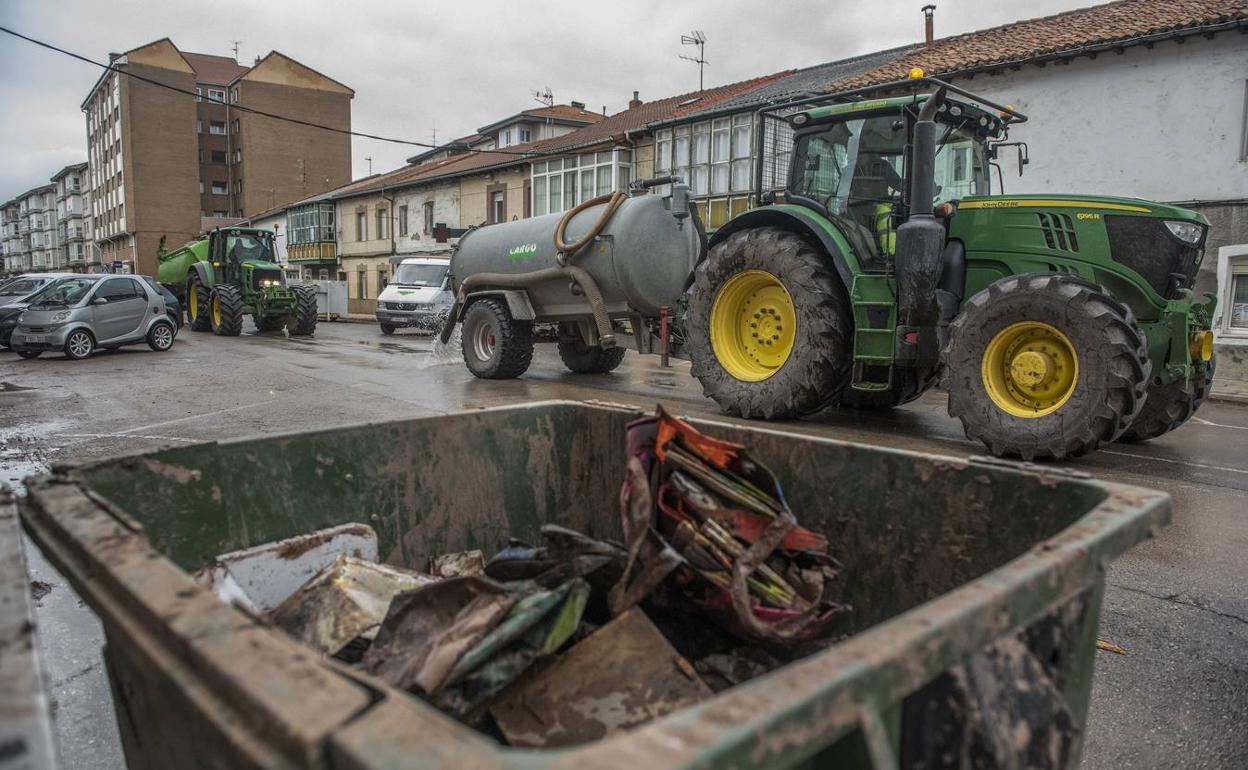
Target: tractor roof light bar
1008, 114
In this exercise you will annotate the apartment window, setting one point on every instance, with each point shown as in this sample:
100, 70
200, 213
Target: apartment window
221, 214
219, 188
497, 202
381, 223
383, 280
216, 127
199, 126
238, 156
361, 226
218, 156
428, 217
215, 95
402, 221
201, 187
238, 186
234, 95
559, 185
361, 288
199, 94
525, 135
236, 125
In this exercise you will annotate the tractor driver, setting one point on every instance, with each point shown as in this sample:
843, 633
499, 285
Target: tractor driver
243, 248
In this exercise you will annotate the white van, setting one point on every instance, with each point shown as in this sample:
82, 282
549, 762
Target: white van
416, 296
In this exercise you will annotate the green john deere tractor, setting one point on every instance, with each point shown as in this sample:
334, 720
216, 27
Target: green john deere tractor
879, 264
231, 273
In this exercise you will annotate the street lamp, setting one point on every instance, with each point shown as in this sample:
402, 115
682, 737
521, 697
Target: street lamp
698, 38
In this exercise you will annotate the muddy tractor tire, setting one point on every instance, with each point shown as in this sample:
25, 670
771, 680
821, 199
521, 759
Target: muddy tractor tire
302, 322
908, 384
1045, 366
226, 310
198, 304
1169, 406
495, 345
769, 326
588, 359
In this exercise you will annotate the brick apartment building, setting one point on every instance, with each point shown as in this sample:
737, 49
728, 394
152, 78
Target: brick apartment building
167, 164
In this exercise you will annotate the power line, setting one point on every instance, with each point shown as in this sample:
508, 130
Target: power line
253, 110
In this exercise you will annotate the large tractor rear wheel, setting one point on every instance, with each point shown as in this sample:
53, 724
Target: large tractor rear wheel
302, 322
1169, 406
769, 326
908, 384
1045, 366
198, 297
495, 345
226, 309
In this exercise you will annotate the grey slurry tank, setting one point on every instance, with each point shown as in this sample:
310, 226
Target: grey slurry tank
610, 258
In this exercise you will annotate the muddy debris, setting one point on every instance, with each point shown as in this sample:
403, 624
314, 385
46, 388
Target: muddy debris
566, 638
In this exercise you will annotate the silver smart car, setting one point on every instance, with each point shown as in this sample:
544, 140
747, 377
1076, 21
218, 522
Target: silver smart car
80, 314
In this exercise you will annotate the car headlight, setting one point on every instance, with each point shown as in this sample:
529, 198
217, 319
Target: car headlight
1188, 232
61, 316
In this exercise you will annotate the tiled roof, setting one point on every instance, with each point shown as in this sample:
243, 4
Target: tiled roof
565, 112
810, 80
1126, 22
213, 69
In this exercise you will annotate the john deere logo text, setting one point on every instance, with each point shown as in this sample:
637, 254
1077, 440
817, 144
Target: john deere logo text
523, 251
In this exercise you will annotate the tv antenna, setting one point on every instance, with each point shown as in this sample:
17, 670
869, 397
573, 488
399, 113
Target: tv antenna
544, 97
236, 42
370, 164
698, 38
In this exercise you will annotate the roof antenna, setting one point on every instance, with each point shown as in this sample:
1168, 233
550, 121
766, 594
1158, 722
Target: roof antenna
698, 38
544, 97
236, 42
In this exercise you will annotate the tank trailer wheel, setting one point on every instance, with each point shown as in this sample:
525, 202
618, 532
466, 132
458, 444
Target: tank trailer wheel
1169, 406
226, 310
588, 359
908, 384
769, 326
302, 322
1045, 366
199, 316
495, 346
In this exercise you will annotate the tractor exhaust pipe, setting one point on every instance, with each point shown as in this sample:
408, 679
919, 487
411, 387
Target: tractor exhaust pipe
920, 243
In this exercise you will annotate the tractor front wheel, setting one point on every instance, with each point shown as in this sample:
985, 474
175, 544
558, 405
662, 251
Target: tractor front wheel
302, 322
198, 313
1045, 366
269, 323
226, 310
496, 346
1170, 405
769, 325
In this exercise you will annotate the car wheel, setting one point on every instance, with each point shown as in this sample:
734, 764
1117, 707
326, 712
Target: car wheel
79, 344
30, 353
160, 336
387, 329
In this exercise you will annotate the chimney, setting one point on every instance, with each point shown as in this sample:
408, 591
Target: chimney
929, 33
634, 102
112, 57
579, 105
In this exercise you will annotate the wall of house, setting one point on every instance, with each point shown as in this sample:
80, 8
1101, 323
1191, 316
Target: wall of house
445, 199
474, 198
369, 256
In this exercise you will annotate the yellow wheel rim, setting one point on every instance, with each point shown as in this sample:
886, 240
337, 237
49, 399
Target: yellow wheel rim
753, 325
216, 310
1030, 369
192, 302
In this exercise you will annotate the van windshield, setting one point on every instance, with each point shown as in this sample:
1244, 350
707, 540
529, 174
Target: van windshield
420, 275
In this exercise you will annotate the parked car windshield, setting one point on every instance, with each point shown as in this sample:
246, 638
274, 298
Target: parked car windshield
420, 275
64, 293
20, 287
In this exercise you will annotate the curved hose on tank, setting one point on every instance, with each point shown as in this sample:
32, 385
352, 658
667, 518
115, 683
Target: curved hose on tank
568, 250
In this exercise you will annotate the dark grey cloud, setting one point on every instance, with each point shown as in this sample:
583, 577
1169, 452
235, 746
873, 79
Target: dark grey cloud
421, 66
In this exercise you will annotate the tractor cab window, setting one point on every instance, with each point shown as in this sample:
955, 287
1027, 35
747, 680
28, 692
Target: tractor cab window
244, 246
854, 169
961, 164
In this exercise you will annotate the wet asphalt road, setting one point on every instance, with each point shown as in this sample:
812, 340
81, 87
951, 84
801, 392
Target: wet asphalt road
1178, 604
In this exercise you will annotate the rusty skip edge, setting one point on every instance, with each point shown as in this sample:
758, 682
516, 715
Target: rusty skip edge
25, 712
305, 707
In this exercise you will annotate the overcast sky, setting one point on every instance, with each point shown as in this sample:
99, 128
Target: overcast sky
449, 66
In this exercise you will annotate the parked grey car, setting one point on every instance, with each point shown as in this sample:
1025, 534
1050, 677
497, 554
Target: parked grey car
80, 314
15, 294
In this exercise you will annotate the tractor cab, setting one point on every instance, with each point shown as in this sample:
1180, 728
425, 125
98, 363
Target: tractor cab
245, 256
852, 163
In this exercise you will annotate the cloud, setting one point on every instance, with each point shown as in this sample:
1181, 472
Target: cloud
417, 67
